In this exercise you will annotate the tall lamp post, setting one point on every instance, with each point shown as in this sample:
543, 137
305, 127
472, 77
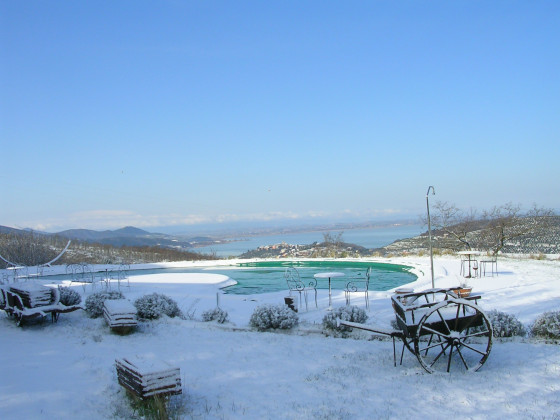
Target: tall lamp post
430, 232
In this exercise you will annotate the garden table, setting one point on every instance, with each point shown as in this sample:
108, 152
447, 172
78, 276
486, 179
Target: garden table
469, 255
329, 275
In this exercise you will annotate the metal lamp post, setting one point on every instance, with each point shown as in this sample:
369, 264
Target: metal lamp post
430, 232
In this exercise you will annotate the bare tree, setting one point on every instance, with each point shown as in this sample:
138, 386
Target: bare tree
455, 222
506, 222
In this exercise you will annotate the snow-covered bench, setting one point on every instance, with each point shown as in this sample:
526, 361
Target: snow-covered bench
148, 377
120, 314
29, 300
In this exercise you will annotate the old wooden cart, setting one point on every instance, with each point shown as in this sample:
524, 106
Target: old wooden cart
441, 328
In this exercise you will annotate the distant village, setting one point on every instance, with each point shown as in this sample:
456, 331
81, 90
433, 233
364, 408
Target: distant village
314, 250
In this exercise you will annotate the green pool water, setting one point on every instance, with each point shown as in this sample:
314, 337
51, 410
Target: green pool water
268, 276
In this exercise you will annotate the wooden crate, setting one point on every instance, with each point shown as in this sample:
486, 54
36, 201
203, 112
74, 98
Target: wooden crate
148, 377
120, 314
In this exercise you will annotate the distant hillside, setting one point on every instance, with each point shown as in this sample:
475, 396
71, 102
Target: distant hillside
93, 235
544, 240
28, 248
127, 236
10, 231
132, 236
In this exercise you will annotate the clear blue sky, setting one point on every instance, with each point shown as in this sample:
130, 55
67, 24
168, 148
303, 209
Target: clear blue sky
153, 114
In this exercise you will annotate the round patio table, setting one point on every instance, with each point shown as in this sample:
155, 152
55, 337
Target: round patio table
469, 255
329, 275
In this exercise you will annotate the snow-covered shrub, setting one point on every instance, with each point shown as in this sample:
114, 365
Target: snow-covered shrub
273, 317
69, 296
94, 302
344, 313
155, 305
547, 325
216, 314
505, 325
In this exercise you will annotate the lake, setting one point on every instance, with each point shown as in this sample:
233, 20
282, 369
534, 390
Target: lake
366, 237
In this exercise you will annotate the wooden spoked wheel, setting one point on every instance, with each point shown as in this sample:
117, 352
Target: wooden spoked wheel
453, 334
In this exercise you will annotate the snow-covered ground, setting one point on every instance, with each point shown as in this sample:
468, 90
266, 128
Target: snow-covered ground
67, 370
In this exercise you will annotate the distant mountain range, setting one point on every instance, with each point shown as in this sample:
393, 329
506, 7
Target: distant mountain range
127, 236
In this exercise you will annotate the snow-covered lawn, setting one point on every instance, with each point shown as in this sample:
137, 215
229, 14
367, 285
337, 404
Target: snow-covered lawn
67, 370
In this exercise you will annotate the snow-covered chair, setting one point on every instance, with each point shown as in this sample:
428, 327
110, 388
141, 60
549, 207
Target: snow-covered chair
358, 285
296, 285
81, 273
122, 275
493, 261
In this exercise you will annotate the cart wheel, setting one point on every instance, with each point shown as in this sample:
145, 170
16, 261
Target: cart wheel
453, 333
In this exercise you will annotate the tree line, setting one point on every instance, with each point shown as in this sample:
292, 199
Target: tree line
490, 229
32, 249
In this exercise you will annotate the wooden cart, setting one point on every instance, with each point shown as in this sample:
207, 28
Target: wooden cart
441, 328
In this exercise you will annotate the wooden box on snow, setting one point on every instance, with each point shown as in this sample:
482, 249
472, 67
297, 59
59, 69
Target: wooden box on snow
119, 313
148, 377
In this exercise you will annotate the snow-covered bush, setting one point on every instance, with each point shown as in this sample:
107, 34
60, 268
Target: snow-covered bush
547, 325
94, 302
155, 305
505, 325
345, 313
216, 314
273, 317
69, 296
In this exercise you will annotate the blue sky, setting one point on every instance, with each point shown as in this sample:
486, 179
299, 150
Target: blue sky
175, 113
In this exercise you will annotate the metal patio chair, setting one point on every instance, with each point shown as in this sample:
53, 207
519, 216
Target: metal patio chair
296, 285
358, 285
493, 261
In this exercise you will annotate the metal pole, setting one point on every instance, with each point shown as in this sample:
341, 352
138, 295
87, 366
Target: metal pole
430, 232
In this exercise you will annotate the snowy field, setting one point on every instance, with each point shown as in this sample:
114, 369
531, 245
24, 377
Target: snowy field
67, 370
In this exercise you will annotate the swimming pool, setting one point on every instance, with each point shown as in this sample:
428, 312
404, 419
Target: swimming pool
268, 276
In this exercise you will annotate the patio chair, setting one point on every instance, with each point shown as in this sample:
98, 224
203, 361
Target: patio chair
493, 261
358, 285
122, 275
81, 273
296, 285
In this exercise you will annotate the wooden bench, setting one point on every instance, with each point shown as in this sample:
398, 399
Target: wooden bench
120, 315
27, 301
146, 378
